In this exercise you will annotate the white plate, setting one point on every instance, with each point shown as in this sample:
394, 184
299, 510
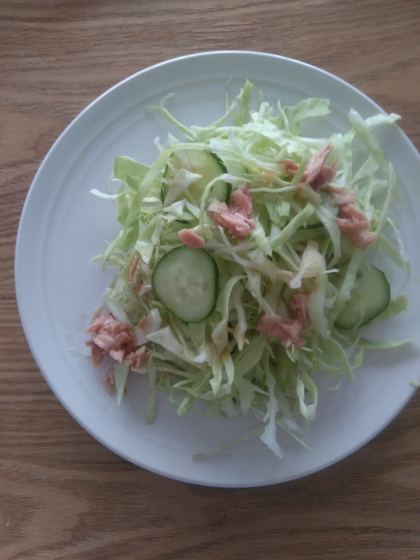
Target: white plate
63, 226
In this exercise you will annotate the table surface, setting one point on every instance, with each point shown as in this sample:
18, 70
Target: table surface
62, 494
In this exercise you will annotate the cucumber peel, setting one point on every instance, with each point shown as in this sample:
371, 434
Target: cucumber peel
206, 164
370, 296
186, 282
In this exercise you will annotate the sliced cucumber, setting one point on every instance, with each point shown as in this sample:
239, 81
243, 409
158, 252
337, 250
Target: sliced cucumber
186, 282
206, 164
370, 296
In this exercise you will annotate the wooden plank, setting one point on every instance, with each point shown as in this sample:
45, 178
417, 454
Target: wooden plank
62, 494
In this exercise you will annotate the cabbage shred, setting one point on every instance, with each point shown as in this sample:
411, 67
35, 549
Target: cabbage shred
223, 365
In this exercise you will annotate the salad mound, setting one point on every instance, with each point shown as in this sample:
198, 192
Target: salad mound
244, 263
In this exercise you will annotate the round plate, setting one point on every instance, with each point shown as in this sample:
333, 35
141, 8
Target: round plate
63, 226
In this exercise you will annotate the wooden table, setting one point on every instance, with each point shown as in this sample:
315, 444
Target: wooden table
63, 495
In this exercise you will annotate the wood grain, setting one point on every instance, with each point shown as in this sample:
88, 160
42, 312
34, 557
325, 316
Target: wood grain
63, 495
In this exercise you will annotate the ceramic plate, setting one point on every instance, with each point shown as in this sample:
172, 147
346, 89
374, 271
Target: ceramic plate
63, 226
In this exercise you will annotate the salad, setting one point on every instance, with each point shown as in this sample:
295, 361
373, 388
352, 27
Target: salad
244, 264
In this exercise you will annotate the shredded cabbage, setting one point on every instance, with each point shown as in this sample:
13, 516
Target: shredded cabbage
236, 362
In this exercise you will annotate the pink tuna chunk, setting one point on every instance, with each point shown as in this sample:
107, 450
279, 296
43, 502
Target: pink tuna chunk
191, 239
317, 173
238, 217
110, 336
341, 197
352, 220
96, 353
138, 358
281, 327
290, 166
362, 239
299, 303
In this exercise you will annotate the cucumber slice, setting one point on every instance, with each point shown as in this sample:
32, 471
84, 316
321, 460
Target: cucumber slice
186, 282
206, 164
370, 296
